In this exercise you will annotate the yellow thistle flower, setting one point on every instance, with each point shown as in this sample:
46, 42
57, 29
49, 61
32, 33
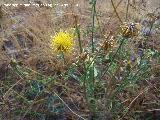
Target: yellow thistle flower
62, 42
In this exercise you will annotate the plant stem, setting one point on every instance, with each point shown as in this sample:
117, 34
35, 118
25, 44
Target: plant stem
79, 39
93, 22
63, 58
128, 1
84, 65
93, 28
115, 10
78, 33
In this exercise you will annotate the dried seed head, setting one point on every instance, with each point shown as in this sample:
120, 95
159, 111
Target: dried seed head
130, 30
108, 44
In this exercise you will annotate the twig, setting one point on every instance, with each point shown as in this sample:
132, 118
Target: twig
127, 9
68, 106
133, 102
115, 10
11, 88
149, 110
13, 84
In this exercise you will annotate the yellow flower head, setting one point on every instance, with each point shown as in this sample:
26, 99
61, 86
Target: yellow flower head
62, 42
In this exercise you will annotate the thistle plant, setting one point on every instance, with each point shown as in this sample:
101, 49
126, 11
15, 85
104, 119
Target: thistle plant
103, 80
62, 43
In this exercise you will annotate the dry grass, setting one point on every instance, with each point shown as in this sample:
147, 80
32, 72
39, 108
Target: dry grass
25, 34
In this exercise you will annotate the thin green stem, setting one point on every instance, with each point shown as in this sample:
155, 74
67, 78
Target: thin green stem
77, 28
93, 22
79, 38
63, 57
93, 30
84, 65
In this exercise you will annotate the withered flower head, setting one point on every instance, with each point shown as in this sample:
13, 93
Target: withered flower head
129, 30
108, 44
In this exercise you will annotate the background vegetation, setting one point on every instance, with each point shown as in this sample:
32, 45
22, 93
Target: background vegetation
112, 72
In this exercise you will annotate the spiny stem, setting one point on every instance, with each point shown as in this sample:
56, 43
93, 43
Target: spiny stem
79, 39
77, 28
